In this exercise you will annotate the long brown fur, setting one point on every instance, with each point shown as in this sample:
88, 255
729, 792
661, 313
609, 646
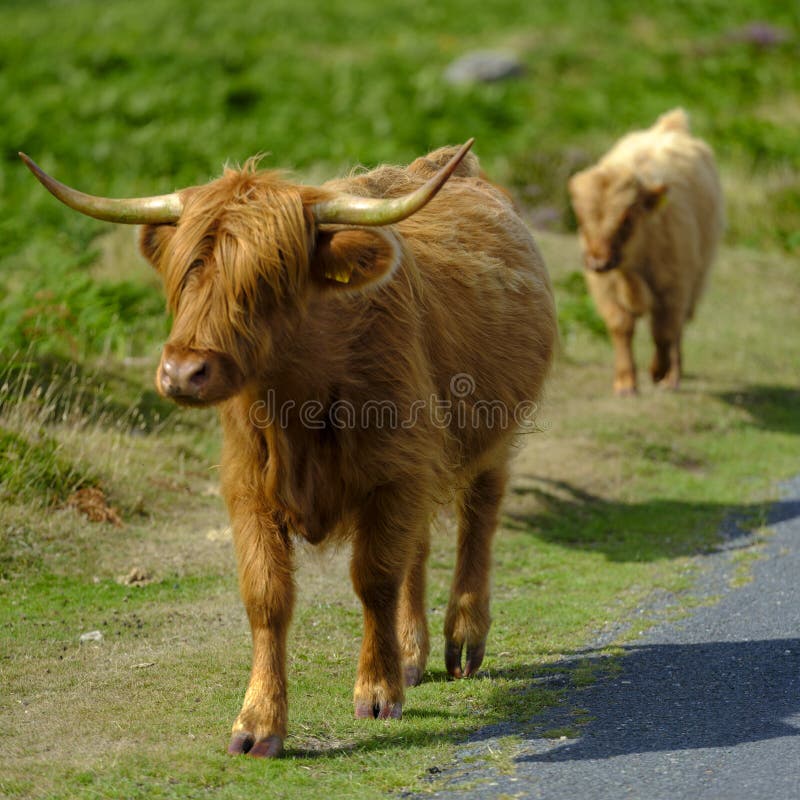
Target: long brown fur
650, 217
288, 317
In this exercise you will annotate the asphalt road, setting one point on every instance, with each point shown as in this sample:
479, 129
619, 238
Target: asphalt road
705, 707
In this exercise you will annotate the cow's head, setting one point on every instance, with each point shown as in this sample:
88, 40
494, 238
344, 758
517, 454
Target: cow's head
610, 205
241, 255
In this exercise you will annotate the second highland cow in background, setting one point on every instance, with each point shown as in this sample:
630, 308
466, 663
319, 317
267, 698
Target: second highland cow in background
650, 216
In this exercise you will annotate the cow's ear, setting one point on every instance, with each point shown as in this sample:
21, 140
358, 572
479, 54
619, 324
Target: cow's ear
354, 258
153, 240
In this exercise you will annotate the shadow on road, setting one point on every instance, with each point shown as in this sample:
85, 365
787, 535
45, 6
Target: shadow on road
687, 696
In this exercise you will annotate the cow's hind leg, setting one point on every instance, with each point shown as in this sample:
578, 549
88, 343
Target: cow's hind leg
467, 620
412, 624
387, 538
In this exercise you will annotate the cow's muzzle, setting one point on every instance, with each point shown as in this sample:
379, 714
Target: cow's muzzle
600, 264
184, 376
196, 377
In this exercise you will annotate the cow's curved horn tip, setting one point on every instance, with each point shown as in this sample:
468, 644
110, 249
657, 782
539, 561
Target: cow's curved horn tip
28, 161
465, 148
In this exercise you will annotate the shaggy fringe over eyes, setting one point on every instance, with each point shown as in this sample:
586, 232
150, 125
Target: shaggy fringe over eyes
251, 228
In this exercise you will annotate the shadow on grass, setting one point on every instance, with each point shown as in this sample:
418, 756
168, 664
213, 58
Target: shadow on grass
423, 727
660, 528
773, 408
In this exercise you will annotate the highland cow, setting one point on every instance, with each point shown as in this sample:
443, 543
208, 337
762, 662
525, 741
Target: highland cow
294, 304
650, 217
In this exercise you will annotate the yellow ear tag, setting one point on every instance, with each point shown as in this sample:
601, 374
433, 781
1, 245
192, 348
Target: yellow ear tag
663, 199
340, 275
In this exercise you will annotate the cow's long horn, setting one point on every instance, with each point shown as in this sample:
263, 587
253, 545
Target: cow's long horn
133, 211
346, 209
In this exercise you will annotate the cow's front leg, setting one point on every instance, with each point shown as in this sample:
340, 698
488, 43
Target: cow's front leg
266, 582
624, 364
382, 553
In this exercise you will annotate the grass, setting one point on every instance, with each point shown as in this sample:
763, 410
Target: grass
128, 100
608, 504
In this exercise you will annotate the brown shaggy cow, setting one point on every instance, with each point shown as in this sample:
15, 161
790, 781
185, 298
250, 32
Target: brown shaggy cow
363, 376
650, 217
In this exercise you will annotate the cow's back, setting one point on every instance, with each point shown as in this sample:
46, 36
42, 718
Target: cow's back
488, 319
685, 236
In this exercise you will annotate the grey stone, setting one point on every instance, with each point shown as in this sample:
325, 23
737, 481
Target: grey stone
484, 66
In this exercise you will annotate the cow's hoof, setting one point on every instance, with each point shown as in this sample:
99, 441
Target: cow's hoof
452, 659
412, 675
240, 743
243, 743
626, 391
379, 710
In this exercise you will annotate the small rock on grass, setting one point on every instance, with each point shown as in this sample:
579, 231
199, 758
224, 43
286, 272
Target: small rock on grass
484, 66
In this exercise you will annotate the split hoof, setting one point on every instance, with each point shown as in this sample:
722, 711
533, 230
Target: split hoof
379, 710
244, 743
412, 676
452, 659
668, 385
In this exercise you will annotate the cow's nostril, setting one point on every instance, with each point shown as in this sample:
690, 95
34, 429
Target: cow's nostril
200, 375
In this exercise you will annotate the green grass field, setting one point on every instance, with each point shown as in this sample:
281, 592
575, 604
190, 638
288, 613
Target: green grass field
609, 503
